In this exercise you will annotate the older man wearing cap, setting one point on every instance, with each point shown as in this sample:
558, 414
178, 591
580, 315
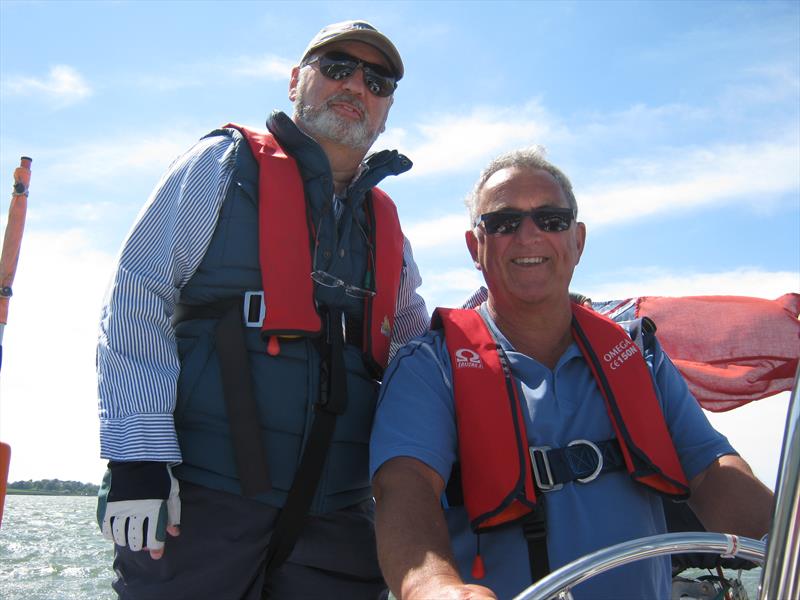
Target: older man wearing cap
255, 303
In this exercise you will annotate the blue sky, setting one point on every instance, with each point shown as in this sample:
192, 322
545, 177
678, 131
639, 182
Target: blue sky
678, 123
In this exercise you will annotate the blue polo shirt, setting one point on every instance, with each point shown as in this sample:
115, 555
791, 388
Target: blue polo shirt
416, 418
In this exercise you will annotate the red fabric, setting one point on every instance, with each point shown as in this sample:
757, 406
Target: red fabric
389, 265
495, 476
730, 349
626, 384
288, 287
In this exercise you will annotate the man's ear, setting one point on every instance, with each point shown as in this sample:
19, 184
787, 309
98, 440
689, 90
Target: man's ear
580, 239
293, 83
472, 244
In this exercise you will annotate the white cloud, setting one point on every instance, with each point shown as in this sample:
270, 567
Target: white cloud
762, 85
263, 67
444, 231
49, 407
693, 177
452, 143
63, 85
675, 182
111, 160
448, 287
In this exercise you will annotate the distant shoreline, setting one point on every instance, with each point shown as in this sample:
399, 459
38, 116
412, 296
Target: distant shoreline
18, 492
51, 487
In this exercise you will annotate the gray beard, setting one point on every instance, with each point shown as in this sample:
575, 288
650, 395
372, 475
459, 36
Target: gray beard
323, 122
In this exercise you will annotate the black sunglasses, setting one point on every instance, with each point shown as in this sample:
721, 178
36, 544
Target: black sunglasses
549, 220
340, 65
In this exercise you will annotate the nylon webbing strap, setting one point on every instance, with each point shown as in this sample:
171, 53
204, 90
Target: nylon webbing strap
240, 404
534, 528
332, 403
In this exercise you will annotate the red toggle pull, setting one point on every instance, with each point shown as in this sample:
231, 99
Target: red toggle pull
478, 568
273, 347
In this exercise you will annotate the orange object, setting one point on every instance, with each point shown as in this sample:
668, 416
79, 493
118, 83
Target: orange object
5, 460
8, 268
14, 228
478, 568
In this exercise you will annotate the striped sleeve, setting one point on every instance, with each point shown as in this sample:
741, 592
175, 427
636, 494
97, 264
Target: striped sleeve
411, 316
137, 360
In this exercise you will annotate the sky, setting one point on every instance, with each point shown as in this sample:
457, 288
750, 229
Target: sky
678, 123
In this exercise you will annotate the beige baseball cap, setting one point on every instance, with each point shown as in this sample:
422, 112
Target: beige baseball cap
358, 31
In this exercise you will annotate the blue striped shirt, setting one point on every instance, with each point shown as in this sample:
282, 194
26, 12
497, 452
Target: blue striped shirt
137, 359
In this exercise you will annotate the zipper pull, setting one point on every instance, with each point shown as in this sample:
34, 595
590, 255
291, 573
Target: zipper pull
478, 568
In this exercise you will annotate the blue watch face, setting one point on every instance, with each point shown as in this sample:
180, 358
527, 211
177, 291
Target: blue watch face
19, 188
5, 292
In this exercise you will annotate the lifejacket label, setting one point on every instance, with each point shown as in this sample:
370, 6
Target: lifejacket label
468, 359
620, 353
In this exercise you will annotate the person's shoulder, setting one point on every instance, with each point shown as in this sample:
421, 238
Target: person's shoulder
426, 348
214, 151
431, 340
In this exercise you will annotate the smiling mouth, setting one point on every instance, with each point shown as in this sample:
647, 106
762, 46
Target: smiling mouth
532, 260
347, 109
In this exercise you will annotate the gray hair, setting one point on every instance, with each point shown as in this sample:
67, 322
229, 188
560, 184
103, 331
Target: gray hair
524, 158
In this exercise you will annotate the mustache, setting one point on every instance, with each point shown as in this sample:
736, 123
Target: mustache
345, 97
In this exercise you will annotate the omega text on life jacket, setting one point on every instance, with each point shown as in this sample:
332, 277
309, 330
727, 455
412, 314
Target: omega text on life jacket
620, 353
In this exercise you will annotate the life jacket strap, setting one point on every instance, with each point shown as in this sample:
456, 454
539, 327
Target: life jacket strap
580, 460
244, 419
534, 528
332, 403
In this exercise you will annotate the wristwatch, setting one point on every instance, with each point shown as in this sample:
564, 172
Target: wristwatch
5, 291
20, 189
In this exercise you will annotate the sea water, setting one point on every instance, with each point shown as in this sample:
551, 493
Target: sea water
51, 549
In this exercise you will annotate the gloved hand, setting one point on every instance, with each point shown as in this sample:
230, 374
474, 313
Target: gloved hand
138, 504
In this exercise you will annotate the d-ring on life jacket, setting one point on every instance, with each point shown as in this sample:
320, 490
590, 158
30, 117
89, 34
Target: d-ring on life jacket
286, 275
495, 464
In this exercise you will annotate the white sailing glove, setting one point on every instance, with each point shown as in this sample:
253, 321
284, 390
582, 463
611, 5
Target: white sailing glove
137, 502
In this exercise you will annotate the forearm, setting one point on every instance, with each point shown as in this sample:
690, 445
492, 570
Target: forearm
728, 498
413, 541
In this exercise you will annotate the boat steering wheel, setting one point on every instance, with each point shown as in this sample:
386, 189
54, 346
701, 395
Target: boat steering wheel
557, 585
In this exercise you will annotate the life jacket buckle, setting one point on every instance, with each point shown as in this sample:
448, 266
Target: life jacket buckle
540, 465
571, 463
254, 309
593, 475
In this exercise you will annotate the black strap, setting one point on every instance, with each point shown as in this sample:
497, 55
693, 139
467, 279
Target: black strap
243, 417
332, 403
216, 310
534, 528
578, 461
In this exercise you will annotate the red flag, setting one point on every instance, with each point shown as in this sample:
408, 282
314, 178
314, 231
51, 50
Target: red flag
730, 349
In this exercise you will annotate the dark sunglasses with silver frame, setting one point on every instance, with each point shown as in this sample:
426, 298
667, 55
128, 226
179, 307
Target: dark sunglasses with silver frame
548, 219
379, 80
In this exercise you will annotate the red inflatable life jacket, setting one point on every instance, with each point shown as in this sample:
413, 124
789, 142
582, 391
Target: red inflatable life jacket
496, 472
283, 218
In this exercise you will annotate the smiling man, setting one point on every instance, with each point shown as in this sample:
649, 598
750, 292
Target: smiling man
255, 304
530, 431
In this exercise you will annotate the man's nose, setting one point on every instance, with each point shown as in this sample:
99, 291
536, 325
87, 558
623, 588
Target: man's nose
355, 83
527, 228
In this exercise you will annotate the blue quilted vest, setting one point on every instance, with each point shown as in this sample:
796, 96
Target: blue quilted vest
285, 386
